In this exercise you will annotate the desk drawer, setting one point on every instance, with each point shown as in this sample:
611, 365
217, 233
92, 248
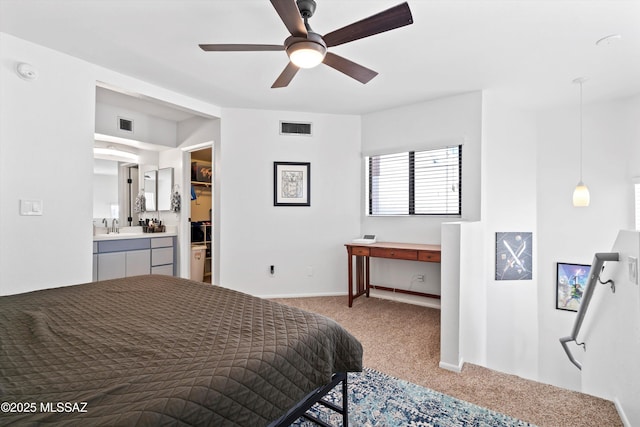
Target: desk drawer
360, 251
428, 256
409, 254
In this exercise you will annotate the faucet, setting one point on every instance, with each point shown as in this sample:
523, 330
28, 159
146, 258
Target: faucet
106, 224
114, 226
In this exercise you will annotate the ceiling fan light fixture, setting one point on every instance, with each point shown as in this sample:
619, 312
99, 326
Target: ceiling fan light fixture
306, 54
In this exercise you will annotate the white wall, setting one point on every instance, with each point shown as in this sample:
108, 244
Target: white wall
472, 308
434, 124
451, 271
568, 234
46, 153
255, 234
509, 205
146, 128
611, 333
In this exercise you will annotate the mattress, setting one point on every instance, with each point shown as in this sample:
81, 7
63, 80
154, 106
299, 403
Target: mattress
154, 350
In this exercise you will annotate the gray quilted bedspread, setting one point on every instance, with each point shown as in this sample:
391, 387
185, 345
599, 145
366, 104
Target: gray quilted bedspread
159, 350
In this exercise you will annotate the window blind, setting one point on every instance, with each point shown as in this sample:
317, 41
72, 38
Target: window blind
416, 182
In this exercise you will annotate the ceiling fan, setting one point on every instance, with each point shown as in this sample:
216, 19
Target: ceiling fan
306, 48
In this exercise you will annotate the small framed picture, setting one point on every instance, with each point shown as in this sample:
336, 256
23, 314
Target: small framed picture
514, 256
291, 184
571, 281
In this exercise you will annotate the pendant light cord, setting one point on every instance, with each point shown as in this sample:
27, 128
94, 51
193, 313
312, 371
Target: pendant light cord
581, 131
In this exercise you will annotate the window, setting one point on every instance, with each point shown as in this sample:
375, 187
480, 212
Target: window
416, 182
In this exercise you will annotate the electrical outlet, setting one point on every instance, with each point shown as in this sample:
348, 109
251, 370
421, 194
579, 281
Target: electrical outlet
420, 278
272, 270
632, 263
309, 271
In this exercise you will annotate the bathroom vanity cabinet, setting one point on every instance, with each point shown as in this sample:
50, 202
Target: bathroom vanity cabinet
126, 257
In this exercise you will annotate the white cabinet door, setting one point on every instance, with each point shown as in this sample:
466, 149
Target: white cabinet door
111, 265
166, 270
162, 256
138, 262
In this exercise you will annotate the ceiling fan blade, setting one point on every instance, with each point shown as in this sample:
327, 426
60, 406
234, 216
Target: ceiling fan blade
396, 17
290, 15
239, 47
350, 68
286, 76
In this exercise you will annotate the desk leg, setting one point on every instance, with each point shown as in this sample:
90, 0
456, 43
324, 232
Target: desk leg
367, 277
360, 282
350, 268
362, 276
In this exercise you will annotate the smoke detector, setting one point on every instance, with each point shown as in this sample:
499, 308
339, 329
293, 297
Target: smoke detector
27, 71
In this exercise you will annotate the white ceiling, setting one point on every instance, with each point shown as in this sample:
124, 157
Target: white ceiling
527, 52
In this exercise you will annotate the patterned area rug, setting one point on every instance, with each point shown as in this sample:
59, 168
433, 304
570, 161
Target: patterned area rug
376, 399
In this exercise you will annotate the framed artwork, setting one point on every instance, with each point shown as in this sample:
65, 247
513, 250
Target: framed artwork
514, 256
571, 281
291, 184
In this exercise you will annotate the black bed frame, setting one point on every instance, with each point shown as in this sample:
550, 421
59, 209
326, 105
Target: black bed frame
317, 396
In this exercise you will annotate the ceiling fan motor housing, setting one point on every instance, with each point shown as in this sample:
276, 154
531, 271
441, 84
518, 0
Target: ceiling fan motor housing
306, 7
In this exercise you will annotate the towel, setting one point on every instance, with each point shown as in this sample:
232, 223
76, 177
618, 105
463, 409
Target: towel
175, 202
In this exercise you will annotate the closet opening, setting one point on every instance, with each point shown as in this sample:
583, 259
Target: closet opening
201, 219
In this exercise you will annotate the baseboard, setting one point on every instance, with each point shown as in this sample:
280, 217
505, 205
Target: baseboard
407, 299
623, 416
450, 367
305, 295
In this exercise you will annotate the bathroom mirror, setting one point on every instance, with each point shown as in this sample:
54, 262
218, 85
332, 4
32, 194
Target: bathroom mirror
105, 189
114, 189
151, 190
165, 185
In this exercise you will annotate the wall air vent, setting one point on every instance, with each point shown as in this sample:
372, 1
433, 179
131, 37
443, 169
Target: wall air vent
295, 128
125, 124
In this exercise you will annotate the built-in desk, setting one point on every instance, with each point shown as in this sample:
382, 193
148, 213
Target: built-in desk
406, 251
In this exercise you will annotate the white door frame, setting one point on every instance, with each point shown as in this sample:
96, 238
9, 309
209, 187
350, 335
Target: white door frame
185, 226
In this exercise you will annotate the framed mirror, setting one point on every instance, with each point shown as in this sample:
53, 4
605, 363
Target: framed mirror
151, 190
165, 185
115, 186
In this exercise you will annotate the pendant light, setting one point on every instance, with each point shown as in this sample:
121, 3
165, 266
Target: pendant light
581, 197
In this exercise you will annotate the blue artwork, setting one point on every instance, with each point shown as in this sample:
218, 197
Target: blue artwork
571, 283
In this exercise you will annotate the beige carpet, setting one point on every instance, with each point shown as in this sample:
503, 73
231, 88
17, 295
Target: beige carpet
403, 340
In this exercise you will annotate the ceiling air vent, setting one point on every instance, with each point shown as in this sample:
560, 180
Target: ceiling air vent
125, 124
293, 128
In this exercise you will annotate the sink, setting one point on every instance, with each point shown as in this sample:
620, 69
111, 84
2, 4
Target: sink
126, 235
125, 232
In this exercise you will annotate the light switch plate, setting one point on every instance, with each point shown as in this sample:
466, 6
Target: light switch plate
30, 207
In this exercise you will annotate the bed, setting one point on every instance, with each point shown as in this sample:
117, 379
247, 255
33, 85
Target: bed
160, 350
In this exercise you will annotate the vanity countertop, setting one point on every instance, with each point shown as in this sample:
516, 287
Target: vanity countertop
131, 233
116, 236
